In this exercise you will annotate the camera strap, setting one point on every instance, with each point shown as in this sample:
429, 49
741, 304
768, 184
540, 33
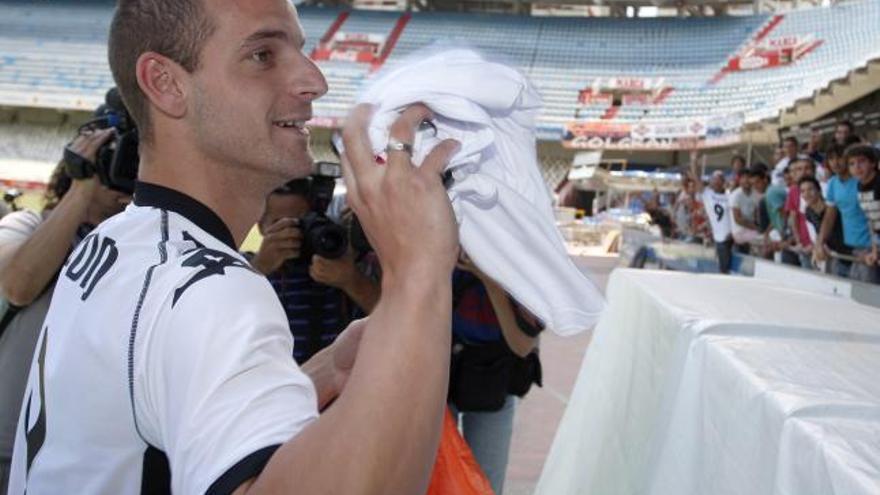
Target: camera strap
76, 166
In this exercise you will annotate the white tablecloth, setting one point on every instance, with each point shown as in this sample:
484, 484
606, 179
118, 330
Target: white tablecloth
704, 384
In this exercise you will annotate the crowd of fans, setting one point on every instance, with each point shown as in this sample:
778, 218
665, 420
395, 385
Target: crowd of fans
817, 207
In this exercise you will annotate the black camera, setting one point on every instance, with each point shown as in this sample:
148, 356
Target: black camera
321, 235
116, 162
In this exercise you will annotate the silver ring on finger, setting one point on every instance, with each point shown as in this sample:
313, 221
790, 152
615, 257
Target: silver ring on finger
396, 145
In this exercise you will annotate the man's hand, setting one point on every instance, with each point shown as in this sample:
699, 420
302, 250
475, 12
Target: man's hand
820, 252
404, 209
330, 368
340, 272
281, 242
871, 257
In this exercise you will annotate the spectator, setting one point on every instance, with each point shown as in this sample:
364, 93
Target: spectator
659, 216
787, 180
778, 154
737, 169
760, 180
744, 205
717, 206
682, 210
494, 360
775, 237
789, 155
812, 148
794, 211
863, 159
320, 296
33, 247
815, 211
844, 134
842, 198
702, 229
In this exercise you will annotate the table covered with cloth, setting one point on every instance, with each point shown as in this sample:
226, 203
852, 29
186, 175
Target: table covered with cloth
712, 384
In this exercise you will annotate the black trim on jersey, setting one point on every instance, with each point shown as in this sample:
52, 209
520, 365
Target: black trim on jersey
212, 262
146, 194
36, 437
245, 469
188, 237
155, 473
163, 258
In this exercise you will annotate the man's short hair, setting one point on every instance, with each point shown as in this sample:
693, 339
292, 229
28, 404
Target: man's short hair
791, 139
759, 169
176, 29
807, 160
865, 151
811, 180
835, 151
847, 123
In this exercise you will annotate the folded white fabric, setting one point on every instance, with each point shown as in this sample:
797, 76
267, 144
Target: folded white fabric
501, 203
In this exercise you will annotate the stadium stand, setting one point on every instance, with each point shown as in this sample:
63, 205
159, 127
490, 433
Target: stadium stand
53, 54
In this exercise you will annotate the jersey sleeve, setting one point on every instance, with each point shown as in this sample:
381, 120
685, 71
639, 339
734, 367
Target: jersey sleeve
220, 388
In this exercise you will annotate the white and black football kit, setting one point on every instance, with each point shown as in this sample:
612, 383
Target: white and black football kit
164, 364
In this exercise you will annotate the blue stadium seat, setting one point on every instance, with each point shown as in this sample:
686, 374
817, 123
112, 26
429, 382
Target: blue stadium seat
53, 53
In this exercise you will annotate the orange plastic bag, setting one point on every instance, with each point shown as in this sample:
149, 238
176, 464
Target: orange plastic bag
456, 472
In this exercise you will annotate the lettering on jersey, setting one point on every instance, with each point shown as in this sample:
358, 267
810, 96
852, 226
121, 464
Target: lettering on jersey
95, 257
36, 436
213, 262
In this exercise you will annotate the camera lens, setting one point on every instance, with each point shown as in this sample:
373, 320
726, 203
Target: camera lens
329, 241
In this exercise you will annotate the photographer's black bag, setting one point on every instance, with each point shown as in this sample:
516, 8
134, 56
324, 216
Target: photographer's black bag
482, 375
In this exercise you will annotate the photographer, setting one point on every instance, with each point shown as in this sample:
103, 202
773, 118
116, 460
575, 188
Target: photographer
320, 295
494, 361
33, 247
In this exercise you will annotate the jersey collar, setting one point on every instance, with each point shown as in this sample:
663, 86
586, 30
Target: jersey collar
152, 195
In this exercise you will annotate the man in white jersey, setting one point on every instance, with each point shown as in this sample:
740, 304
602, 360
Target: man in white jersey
165, 362
717, 205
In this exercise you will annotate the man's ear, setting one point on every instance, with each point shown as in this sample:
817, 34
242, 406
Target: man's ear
164, 83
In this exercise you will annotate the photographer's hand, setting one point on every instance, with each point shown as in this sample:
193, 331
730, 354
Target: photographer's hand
343, 274
339, 272
281, 242
88, 143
